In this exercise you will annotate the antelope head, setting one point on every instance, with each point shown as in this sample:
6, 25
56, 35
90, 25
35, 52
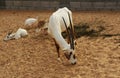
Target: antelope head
9, 36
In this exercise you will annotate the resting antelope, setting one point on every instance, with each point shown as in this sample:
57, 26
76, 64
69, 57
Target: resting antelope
60, 21
20, 33
30, 21
35, 22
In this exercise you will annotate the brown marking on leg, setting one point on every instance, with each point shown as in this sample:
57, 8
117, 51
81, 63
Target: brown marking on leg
57, 48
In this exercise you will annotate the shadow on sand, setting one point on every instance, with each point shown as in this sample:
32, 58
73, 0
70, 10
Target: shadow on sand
85, 30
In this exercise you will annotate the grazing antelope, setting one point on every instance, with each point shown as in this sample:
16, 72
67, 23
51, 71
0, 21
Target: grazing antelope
60, 21
20, 33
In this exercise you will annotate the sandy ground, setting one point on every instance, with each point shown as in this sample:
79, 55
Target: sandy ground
98, 47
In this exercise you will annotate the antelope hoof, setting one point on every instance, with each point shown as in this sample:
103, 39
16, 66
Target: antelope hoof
59, 59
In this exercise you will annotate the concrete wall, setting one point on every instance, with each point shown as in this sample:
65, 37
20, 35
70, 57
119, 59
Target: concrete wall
54, 4
95, 5
37, 5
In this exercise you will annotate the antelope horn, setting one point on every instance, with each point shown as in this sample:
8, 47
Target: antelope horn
10, 32
66, 27
71, 32
68, 33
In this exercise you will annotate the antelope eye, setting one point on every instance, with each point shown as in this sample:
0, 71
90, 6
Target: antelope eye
7, 36
70, 53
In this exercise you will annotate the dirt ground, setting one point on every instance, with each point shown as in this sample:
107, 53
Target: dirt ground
35, 56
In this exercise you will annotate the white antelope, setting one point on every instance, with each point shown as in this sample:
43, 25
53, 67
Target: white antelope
60, 21
36, 22
20, 33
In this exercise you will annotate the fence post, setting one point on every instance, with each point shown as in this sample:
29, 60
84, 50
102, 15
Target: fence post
2, 4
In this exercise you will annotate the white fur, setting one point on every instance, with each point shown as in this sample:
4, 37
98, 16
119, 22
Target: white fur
30, 21
20, 33
56, 26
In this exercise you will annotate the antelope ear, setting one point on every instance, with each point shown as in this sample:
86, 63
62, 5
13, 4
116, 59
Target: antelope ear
9, 33
75, 42
66, 49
